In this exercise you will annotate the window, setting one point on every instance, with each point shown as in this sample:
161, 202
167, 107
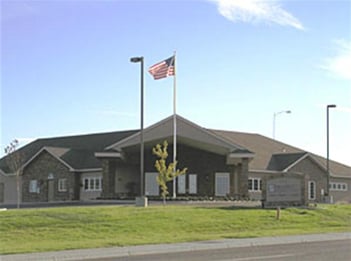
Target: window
338, 186
86, 184
62, 185
92, 184
33, 186
311, 190
255, 184
98, 184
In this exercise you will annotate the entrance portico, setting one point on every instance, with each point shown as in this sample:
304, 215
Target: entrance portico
204, 153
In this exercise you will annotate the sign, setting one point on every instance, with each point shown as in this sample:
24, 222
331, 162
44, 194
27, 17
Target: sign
283, 189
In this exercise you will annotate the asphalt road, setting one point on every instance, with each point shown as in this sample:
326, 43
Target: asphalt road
322, 251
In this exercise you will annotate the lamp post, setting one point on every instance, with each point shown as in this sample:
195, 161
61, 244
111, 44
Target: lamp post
274, 116
142, 201
328, 173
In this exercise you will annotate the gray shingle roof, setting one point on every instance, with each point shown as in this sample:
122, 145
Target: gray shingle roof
77, 151
264, 148
280, 162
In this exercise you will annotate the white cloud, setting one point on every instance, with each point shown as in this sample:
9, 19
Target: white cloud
340, 64
256, 11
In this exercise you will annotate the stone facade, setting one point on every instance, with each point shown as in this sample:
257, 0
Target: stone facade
8, 188
108, 177
243, 178
45, 169
314, 173
340, 189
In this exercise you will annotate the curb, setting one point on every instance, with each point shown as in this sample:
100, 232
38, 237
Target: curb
96, 253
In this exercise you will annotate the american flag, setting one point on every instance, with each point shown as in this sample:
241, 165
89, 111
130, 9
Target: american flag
163, 69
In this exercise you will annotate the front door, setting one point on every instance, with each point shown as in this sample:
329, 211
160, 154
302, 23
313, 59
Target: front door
51, 190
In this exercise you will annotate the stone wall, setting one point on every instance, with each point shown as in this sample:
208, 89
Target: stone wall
108, 177
39, 169
243, 178
314, 173
341, 195
8, 188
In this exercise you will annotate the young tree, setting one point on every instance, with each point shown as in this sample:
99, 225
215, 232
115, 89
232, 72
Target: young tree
165, 173
14, 163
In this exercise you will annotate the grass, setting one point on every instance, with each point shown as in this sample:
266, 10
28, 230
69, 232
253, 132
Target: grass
37, 230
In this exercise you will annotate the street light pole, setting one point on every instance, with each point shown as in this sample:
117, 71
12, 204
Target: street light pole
328, 172
274, 116
141, 60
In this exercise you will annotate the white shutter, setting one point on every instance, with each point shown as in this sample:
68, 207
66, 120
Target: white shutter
192, 184
222, 184
151, 185
181, 184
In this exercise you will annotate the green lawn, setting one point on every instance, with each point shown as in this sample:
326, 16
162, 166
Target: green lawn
36, 230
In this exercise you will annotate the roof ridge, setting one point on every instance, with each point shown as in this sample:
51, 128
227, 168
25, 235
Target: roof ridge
85, 135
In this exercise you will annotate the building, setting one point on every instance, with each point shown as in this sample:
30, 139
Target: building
220, 164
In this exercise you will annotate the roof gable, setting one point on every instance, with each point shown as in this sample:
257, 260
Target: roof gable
55, 152
283, 161
187, 132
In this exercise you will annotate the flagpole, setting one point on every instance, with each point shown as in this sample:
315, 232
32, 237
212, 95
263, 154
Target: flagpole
174, 123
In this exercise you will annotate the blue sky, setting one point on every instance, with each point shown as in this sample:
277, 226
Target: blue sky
65, 67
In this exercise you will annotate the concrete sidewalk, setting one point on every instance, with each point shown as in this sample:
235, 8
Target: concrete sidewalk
96, 253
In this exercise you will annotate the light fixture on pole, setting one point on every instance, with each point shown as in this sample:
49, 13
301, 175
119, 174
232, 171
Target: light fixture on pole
274, 116
328, 172
142, 201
